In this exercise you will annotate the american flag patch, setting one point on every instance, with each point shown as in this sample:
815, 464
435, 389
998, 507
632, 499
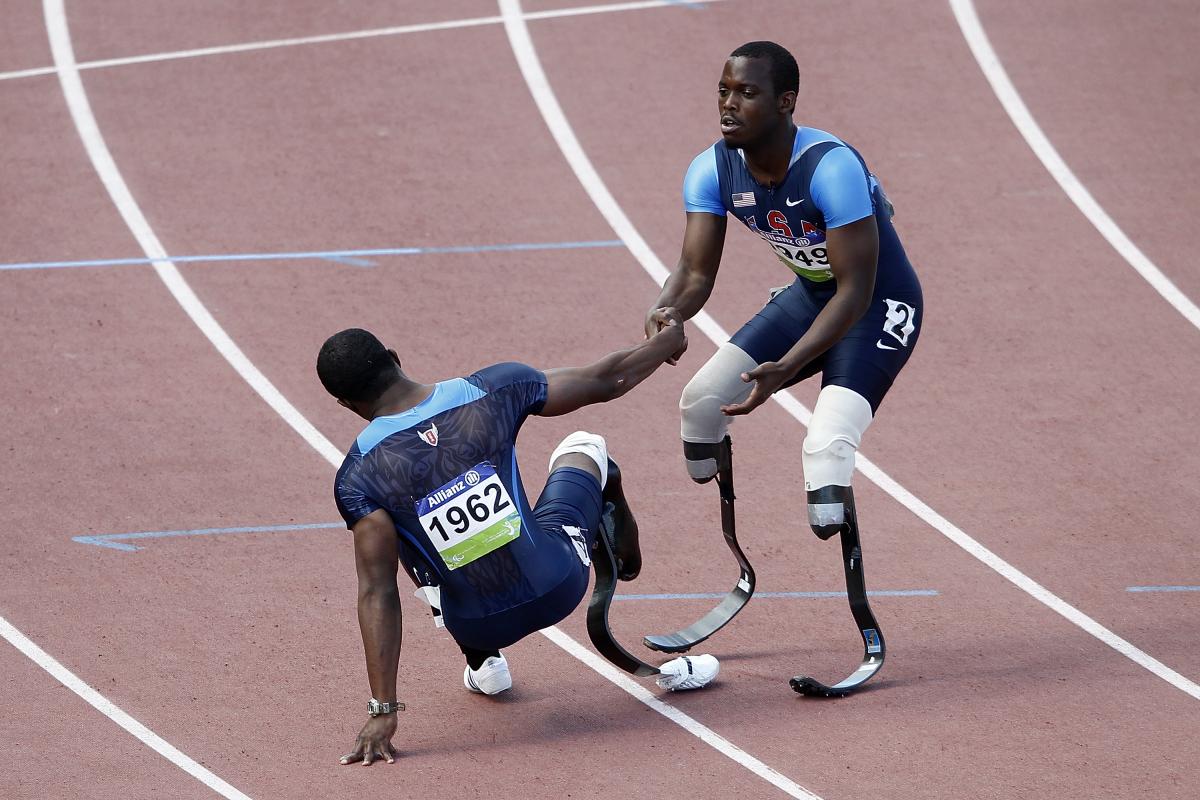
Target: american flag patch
743, 199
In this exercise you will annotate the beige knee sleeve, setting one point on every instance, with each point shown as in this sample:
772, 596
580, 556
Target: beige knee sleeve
719, 382
838, 422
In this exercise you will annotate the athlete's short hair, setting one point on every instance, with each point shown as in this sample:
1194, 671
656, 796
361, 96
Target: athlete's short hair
785, 75
354, 365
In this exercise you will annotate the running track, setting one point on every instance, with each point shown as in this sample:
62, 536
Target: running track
1047, 414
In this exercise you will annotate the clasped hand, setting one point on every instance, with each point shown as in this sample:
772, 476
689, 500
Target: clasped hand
667, 318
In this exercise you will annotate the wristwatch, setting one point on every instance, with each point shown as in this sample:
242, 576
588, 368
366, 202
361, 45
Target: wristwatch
375, 708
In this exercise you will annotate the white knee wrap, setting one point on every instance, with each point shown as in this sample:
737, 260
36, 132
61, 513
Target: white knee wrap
589, 444
718, 383
838, 423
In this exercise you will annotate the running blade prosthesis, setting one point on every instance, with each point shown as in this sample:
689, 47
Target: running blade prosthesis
687, 672
873, 646
686, 638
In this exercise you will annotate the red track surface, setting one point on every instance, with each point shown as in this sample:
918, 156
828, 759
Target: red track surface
1048, 412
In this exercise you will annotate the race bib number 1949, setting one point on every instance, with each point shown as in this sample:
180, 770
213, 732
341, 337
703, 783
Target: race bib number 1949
470, 516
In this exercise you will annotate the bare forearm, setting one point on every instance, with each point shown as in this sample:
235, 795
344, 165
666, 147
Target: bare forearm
616, 373
379, 620
833, 322
686, 291
620, 371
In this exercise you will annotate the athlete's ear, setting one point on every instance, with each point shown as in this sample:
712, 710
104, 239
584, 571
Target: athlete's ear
787, 103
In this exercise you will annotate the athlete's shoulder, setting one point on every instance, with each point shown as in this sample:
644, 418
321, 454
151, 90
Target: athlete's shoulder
522, 387
351, 461
352, 467
707, 158
839, 182
807, 137
812, 145
349, 491
702, 185
497, 376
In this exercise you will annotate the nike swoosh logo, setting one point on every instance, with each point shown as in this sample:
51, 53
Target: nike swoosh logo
790, 203
879, 343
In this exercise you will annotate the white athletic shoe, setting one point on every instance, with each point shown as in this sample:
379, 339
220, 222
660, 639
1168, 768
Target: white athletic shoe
492, 677
688, 672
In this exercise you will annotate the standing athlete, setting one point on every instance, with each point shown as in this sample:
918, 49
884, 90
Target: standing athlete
853, 312
432, 483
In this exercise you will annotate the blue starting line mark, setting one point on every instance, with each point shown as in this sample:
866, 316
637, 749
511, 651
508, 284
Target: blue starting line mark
116, 541
784, 595
358, 258
1162, 588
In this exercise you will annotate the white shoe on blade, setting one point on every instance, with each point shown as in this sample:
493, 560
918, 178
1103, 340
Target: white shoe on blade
492, 677
688, 672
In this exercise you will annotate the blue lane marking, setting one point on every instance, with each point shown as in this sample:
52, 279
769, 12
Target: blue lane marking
114, 540
787, 595
346, 256
1162, 588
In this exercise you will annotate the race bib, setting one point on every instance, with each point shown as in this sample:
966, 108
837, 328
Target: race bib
810, 262
802, 250
470, 516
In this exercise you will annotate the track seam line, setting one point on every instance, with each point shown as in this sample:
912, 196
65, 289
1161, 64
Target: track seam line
131, 213
1006, 92
369, 33
604, 201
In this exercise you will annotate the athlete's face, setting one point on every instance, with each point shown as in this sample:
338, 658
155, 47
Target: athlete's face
749, 108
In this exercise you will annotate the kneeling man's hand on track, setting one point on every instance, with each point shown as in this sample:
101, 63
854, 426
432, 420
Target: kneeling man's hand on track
374, 741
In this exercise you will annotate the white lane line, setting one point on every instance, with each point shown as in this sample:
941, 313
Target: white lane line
370, 33
556, 120
85, 122
531, 69
103, 162
108, 709
697, 729
106, 168
1018, 112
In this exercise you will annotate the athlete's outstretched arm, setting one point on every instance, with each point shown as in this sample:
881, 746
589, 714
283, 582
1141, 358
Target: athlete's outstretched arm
571, 388
853, 257
376, 556
691, 282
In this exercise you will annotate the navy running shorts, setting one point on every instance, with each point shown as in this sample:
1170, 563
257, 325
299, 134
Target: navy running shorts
866, 360
571, 498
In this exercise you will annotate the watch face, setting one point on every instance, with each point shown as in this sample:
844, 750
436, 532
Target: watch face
375, 708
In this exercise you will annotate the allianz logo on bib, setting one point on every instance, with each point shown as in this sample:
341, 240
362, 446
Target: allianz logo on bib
447, 492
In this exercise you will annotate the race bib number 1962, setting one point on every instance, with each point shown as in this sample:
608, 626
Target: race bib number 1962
470, 516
